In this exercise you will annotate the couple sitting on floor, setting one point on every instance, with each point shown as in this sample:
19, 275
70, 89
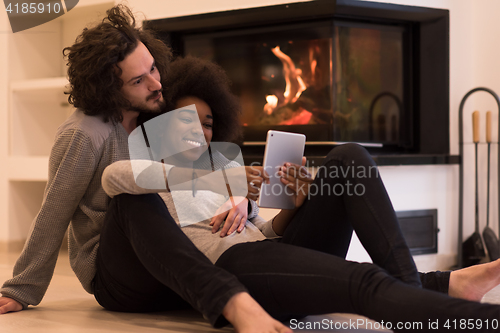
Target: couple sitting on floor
138, 253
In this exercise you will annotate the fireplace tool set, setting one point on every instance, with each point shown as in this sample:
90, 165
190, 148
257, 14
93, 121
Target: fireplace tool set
472, 250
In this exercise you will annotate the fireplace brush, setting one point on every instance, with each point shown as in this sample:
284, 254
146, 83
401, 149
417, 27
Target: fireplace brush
473, 249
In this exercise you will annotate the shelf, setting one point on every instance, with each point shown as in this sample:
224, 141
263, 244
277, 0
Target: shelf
38, 107
416, 159
380, 160
32, 85
28, 168
37, 52
35, 84
38, 104
316, 155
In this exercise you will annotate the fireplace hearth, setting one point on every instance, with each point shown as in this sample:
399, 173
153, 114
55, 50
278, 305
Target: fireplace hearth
336, 71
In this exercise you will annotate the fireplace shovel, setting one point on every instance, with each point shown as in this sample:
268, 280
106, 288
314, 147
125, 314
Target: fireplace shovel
473, 249
490, 239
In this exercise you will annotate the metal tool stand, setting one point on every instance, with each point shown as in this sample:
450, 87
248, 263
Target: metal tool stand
461, 166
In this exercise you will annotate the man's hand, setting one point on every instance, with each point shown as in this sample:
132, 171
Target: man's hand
9, 305
297, 179
256, 175
236, 216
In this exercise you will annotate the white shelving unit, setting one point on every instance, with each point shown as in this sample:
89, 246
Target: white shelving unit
37, 106
28, 168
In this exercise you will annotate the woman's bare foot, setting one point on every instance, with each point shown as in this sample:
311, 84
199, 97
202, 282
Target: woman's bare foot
247, 316
472, 283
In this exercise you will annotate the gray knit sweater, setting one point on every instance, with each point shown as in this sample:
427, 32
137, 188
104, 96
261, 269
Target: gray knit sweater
84, 146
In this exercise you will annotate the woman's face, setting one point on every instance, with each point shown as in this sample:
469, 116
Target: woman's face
186, 128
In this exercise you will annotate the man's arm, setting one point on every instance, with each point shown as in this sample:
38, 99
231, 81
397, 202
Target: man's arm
9, 305
72, 165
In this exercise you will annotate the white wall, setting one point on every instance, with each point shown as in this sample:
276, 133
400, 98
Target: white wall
4, 35
412, 187
474, 30
154, 9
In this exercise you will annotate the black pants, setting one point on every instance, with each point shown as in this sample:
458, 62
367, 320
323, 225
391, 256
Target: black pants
146, 263
305, 272
290, 281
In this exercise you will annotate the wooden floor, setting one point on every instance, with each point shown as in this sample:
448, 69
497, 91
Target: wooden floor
67, 308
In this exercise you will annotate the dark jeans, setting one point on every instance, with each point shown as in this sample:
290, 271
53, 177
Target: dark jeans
290, 281
305, 272
145, 262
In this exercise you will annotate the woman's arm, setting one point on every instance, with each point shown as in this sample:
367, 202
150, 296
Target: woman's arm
237, 209
281, 221
299, 180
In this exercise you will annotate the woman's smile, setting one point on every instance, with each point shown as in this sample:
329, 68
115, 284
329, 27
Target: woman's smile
194, 143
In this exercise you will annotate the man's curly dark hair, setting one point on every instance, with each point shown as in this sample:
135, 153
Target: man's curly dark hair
207, 81
93, 73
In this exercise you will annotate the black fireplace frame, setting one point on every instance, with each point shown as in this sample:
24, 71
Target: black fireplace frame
429, 52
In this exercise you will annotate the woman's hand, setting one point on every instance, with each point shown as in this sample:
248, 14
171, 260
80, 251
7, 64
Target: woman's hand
256, 175
9, 305
297, 179
235, 211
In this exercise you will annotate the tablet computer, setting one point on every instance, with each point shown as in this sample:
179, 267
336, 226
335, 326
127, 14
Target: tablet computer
281, 147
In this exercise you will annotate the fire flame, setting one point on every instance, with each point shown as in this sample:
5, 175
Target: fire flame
272, 103
294, 83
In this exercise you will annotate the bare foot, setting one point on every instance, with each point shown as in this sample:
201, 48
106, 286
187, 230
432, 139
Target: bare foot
247, 316
472, 283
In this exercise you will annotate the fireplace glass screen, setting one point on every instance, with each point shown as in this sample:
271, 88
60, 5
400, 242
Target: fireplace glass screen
333, 81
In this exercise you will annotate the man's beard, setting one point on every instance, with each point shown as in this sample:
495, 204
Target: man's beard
141, 109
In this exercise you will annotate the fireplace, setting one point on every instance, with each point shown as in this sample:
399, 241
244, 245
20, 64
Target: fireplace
336, 71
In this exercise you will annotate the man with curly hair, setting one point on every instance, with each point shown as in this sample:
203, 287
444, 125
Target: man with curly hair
115, 71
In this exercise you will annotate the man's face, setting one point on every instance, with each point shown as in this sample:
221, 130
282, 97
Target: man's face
141, 81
